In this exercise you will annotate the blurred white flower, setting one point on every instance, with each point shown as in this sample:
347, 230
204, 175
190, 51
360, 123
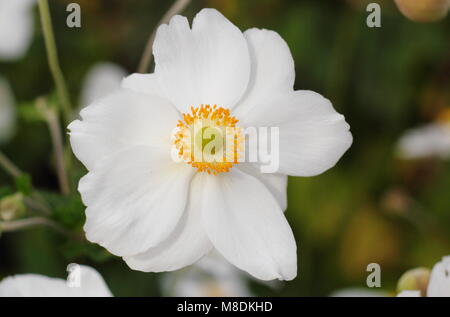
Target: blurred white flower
439, 284
162, 215
358, 292
35, 285
16, 28
431, 140
212, 276
7, 111
102, 79
409, 294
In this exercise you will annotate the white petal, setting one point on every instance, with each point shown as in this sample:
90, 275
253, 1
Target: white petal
35, 285
439, 284
209, 64
276, 183
92, 284
118, 121
16, 28
134, 199
143, 83
31, 285
187, 244
7, 111
249, 230
313, 136
426, 141
215, 264
409, 294
272, 69
101, 80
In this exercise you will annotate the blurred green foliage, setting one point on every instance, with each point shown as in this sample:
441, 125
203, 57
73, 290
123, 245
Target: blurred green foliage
371, 207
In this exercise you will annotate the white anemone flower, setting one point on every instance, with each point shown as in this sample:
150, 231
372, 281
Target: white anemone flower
91, 284
162, 214
16, 28
7, 111
439, 283
431, 140
102, 79
212, 276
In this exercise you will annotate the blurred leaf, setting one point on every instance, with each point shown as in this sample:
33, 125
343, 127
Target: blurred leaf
29, 113
67, 210
23, 184
5, 191
73, 250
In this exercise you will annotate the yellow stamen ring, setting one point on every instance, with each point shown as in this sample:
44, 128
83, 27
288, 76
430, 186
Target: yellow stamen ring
208, 139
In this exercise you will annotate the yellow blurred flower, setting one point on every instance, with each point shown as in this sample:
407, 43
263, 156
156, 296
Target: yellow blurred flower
368, 238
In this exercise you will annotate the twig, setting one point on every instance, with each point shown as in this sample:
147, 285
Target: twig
9, 166
36, 202
51, 117
53, 61
177, 7
8, 226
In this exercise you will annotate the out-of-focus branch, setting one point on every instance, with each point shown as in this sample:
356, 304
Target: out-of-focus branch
50, 115
177, 7
9, 166
53, 61
36, 202
8, 226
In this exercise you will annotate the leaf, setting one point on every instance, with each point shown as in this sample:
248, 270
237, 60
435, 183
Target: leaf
76, 249
67, 210
5, 191
29, 113
23, 184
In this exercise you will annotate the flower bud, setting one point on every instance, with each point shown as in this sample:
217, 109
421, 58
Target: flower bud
11, 207
415, 279
424, 10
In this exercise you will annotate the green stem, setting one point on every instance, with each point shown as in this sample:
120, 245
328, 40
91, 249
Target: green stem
53, 61
51, 116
